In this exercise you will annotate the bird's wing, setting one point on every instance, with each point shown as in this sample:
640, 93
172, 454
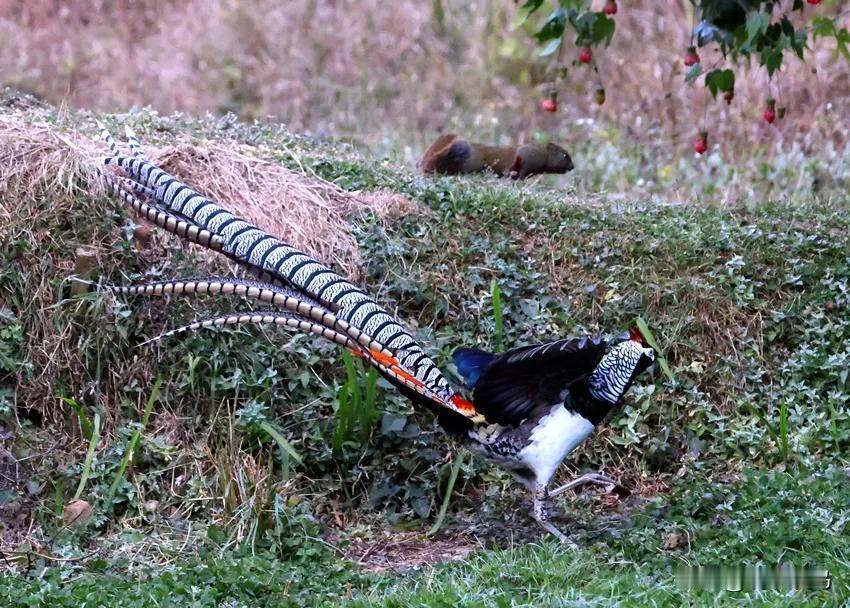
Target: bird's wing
509, 386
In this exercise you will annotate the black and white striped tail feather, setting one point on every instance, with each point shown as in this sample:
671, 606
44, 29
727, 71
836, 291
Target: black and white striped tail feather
294, 322
150, 209
284, 319
261, 250
132, 140
161, 218
275, 294
107, 137
135, 145
301, 315
267, 293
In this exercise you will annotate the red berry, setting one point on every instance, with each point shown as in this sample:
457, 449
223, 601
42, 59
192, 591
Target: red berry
610, 7
770, 111
586, 55
701, 143
691, 57
729, 96
813, 1
599, 96
550, 104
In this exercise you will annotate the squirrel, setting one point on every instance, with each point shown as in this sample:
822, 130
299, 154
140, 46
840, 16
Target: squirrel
451, 155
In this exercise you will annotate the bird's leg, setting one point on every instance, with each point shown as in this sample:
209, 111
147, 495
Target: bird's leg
596, 478
538, 513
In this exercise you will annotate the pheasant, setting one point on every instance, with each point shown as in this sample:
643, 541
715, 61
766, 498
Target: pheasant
529, 407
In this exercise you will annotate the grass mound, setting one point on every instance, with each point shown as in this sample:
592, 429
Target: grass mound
741, 455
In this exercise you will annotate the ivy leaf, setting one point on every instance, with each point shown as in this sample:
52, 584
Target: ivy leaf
757, 25
693, 73
798, 43
531, 5
822, 27
771, 59
526, 10
842, 40
720, 80
553, 27
603, 29
551, 47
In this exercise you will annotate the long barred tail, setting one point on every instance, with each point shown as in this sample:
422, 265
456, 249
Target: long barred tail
298, 323
181, 210
135, 146
283, 319
292, 301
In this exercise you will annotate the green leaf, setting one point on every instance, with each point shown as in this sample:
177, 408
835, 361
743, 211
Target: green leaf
842, 40
822, 27
771, 59
720, 80
551, 47
693, 73
757, 25
603, 29
498, 316
281, 441
531, 5
528, 9
94, 437
553, 27
85, 423
134, 440
650, 339
449, 487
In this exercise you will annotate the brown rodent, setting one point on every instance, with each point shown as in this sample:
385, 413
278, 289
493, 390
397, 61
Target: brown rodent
451, 155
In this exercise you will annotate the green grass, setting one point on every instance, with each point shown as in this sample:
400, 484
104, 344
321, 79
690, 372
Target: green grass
769, 517
738, 455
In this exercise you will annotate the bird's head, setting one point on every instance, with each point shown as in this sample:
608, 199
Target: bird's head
615, 373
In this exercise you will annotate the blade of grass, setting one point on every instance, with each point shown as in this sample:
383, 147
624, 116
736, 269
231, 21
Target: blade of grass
85, 423
650, 339
368, 411
94, 437
498, 316
281, 441
134, 439
342, 421
448, 495
783, 429
349, 404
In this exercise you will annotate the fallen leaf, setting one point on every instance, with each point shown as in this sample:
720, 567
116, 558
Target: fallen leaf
76, 511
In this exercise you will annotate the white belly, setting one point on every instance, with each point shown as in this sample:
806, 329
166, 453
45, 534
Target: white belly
557, 434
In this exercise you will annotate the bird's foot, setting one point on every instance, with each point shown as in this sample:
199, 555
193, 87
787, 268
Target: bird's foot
595, 478
553, 530
539, 514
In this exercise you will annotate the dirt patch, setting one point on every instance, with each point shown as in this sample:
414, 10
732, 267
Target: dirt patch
15, 508
400, 551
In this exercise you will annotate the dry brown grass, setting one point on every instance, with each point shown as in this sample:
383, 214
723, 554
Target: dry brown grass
304, 210
372, 69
